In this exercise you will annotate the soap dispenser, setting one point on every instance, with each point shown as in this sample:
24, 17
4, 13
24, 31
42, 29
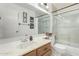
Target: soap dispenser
31, 38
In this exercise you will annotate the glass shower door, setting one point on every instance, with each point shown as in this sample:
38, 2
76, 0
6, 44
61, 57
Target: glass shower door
67, 28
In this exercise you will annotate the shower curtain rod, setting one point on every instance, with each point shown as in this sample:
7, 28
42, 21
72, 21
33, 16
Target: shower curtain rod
66, 12
65, 7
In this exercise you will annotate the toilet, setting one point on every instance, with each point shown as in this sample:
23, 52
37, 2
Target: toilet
59, 49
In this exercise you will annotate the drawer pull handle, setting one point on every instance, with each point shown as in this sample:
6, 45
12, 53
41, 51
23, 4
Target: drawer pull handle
45, 48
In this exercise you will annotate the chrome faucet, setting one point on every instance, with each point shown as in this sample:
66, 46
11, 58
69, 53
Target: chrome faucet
23, 40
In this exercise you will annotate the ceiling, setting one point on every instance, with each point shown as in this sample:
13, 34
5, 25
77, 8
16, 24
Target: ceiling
56, 6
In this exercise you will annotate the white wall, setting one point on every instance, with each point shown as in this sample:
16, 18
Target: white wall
11, 15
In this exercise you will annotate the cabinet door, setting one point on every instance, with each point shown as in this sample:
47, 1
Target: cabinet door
42, 50
49, 53
32, 53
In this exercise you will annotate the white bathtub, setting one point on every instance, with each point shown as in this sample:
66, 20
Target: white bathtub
65, 50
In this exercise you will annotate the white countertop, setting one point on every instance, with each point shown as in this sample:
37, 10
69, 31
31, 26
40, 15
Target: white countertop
15, 49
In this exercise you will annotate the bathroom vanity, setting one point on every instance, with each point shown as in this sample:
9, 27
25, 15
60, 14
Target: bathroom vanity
37, 47
44, 50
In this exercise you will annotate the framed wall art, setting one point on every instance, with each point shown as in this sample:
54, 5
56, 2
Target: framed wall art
24, 17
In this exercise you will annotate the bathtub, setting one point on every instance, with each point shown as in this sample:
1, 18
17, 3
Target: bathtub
65, 50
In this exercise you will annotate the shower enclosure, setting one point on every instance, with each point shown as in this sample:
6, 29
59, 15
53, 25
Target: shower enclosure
66, 27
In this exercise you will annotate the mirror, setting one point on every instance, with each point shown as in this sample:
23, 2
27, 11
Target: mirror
16, 21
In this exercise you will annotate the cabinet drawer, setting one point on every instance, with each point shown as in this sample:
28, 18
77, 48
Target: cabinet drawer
48, 53
32, 53
42, 50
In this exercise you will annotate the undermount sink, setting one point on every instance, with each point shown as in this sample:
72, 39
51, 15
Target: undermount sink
23, 45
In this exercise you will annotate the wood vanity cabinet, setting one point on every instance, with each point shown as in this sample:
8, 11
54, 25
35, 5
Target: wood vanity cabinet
44, 50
